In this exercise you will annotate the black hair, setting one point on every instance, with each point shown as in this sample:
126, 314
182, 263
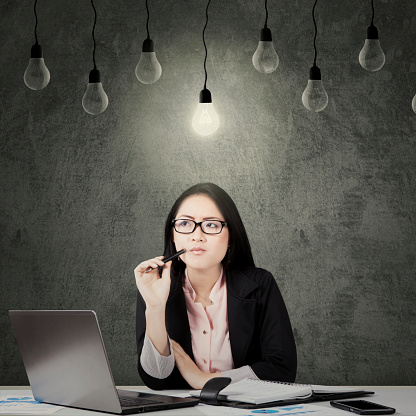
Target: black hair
239, 253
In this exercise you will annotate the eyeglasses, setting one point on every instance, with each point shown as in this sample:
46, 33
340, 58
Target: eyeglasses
208, 227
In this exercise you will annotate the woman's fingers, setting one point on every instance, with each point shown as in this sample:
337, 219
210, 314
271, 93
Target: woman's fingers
166, 270
152, 263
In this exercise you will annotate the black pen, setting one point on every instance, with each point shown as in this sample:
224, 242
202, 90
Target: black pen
173, 256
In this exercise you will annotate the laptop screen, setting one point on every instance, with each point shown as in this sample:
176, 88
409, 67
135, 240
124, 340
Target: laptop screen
65, 358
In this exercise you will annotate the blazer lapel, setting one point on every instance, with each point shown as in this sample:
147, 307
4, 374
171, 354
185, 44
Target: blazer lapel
241, 314
177, 323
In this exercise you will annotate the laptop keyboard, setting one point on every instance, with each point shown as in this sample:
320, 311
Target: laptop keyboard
135, 401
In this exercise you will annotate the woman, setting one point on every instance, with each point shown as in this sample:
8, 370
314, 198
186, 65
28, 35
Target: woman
212, 313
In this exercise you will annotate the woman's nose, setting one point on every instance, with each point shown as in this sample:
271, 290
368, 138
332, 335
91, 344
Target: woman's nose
198, 233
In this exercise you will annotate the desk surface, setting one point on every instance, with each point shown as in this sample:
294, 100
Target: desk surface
403, 399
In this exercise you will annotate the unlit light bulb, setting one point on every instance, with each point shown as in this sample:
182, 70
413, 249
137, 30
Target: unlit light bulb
148, 70
95, 100
265, 58
315, 98
371, 56
37, 75
205, 121
414, 104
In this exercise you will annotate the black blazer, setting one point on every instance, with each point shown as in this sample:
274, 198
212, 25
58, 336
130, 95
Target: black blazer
260, 332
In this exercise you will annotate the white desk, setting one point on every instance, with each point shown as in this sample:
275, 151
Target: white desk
403, 399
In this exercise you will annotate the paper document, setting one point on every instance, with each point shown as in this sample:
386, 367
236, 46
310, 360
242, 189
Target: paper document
260, 391
295, 410
25, 405
332, 389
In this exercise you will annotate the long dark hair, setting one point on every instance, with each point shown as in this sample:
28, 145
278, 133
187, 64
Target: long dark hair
239, 253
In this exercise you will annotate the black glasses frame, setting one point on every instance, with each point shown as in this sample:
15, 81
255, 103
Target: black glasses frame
223, 224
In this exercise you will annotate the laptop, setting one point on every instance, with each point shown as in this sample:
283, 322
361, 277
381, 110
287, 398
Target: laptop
66, 363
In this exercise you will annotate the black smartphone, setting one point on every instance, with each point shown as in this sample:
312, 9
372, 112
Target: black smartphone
363, 407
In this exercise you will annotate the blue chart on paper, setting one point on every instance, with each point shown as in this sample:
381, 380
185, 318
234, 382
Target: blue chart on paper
287, 411
13, 401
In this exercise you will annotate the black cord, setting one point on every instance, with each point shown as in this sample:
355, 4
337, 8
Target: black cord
372, 17
205, 45
147, 22
93, 30
316, 32
267, 13
36, 24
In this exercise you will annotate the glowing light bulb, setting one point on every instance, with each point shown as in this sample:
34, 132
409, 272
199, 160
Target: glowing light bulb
37, 75
95, 100
205, 121
315, 98
148, 70
265, 58
371, 56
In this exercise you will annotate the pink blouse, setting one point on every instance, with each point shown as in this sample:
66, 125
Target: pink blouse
209, 328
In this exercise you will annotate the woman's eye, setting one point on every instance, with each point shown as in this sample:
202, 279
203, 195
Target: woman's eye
182, 223
212, 225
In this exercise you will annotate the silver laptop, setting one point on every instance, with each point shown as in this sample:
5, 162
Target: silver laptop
66, 363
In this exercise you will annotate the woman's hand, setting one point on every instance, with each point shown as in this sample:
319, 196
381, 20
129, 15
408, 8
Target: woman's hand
189, 370
154, 289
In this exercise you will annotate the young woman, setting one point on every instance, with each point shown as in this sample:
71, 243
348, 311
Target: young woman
211, 313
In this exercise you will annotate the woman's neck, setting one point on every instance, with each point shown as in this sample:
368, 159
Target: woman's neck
203, 280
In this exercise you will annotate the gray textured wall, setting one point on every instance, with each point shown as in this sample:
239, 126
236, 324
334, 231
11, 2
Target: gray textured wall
328, 199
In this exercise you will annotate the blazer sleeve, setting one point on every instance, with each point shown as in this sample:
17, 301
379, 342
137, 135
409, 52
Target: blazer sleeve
175, 379
274, 331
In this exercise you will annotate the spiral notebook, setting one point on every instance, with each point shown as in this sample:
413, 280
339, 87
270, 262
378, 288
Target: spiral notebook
257, 392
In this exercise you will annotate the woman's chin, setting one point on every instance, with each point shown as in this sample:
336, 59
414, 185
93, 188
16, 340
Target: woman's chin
201, 265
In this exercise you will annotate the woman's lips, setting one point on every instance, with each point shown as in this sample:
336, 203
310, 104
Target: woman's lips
197, 250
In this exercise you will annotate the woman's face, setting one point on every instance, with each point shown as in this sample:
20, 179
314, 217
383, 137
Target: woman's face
203, 251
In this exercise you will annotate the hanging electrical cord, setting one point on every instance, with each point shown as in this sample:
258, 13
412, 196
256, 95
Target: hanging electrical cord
267, 14
95, 100
93, 33
148, 70
371, 56
36, 19
37, 75
372, 16
205, 45
316, 32
265, 58
205, 120
315, 98
147, 21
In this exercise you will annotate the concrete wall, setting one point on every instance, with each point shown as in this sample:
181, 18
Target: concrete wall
328, 199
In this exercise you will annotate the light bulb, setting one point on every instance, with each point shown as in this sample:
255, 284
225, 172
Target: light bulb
205, 121
37, 75
315, 98
265, 58
371, 56
414, 104
95, 100
148, 70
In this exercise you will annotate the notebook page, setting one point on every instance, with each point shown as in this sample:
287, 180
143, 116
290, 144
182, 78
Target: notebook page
260, 391
332, 389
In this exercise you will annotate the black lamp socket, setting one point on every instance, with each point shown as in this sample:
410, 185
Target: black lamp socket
315, 73
36, 51
94, 77
148, 45
266, 35
205, 96
372, 32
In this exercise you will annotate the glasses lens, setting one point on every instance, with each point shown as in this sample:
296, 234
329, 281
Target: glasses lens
184, 226
211, 227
